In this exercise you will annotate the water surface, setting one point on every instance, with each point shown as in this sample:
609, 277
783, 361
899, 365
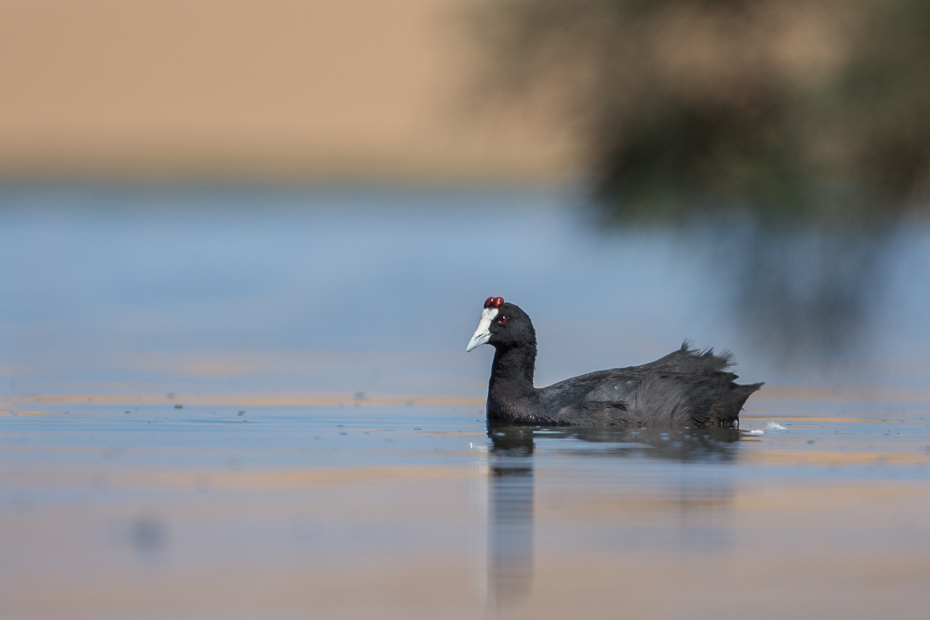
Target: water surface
258, 404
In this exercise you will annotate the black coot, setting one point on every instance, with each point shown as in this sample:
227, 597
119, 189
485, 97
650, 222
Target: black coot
684, 388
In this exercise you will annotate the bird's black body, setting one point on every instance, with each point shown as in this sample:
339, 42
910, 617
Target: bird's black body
684, 388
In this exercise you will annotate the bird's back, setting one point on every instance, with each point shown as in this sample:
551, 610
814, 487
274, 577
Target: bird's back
686, 387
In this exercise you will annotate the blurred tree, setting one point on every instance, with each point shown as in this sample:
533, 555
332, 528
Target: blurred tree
812, 116
791, 108
884, 97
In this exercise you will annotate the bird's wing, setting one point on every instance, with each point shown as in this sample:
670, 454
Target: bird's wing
687, 360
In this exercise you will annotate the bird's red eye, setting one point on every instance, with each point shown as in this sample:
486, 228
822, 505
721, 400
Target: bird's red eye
502, 320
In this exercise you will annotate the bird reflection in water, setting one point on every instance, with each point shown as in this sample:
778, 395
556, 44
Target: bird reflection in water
511, 488
510, 513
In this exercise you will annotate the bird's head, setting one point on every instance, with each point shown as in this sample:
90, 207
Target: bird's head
502, 325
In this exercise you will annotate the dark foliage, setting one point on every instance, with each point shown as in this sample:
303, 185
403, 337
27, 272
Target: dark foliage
798, 109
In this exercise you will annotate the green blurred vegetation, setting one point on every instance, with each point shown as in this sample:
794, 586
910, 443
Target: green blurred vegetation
810, 110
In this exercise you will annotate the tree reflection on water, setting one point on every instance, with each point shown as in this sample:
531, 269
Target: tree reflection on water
808, 293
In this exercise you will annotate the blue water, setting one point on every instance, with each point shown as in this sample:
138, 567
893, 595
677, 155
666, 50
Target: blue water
129, 285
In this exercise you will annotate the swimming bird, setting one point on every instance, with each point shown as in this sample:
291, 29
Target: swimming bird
685, 388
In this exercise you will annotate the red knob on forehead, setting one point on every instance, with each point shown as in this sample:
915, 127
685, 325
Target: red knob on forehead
498, 302
489, 302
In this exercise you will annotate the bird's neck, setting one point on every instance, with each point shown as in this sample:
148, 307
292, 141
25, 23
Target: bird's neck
512, 375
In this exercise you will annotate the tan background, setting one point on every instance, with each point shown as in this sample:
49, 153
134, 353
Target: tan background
256, 89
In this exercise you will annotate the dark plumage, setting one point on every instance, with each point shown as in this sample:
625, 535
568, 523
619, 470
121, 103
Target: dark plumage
684, 388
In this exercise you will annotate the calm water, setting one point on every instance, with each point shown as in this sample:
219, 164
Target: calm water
257, 404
